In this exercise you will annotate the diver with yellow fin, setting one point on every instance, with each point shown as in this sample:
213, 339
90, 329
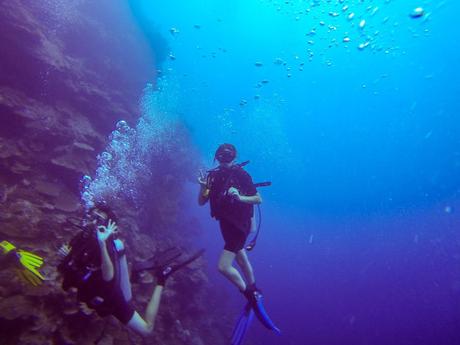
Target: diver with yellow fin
25, 263
95, 263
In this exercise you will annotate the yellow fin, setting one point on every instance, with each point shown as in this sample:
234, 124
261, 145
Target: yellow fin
6, 246
30, 260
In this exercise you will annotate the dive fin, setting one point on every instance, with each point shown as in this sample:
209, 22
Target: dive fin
169, 269
159, 260
164, 272
6, 246
261, 313
29, 261
187, 261
242, 325
32, 276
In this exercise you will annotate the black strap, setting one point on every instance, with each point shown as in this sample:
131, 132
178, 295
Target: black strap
232, 170
253, 242
262, 184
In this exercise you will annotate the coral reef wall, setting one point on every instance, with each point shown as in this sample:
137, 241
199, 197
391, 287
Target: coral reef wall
68, 72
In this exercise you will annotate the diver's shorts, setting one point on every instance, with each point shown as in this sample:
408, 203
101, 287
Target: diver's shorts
114, 304
234, 236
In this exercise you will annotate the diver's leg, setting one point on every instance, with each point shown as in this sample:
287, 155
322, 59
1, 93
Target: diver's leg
231, 273
154, 304
138, 324
243, 261
142, 326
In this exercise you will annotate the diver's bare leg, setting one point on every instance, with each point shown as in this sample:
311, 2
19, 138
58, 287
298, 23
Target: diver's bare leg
231, 273
154, 305
146, 326
243, 261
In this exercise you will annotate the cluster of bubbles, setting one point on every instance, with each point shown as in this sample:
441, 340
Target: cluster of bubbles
155, 129
117, 170
352, 25
259, 133
370, 25
325, 27
124, 167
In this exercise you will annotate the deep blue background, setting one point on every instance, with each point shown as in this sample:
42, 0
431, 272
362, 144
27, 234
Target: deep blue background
360, 242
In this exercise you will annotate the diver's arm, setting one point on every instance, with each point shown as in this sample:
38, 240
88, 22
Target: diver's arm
247, 199
103, 233
203, 195
145, 327
253, 199
153, 306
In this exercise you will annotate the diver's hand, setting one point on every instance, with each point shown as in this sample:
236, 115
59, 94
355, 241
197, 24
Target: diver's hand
85, 309
202, 179
103, 232
64, 251
234, 193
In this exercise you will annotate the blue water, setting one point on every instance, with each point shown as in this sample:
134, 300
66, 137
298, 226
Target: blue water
360, 241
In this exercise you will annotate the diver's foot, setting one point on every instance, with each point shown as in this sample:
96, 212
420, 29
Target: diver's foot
162, 274
252, 293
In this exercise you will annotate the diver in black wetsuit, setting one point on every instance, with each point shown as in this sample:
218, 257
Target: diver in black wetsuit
231, 193
232, 196
95, 263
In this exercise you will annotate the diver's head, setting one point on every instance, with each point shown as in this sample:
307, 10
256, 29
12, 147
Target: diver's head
100, 215
225, 154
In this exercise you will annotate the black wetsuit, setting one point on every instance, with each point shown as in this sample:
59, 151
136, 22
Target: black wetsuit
106, 298
234, 216
81, 269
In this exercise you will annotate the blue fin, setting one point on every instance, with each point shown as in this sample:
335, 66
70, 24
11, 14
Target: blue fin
242, 325
262, 315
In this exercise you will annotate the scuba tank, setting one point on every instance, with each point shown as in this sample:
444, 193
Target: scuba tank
223, 194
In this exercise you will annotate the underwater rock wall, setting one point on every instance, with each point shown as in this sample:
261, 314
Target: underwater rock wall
68, 72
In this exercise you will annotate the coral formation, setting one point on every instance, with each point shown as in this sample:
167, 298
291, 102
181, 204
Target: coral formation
69, 72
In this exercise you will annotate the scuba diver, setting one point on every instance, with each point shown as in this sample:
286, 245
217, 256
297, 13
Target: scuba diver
232, 196
95, 263
25, 263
